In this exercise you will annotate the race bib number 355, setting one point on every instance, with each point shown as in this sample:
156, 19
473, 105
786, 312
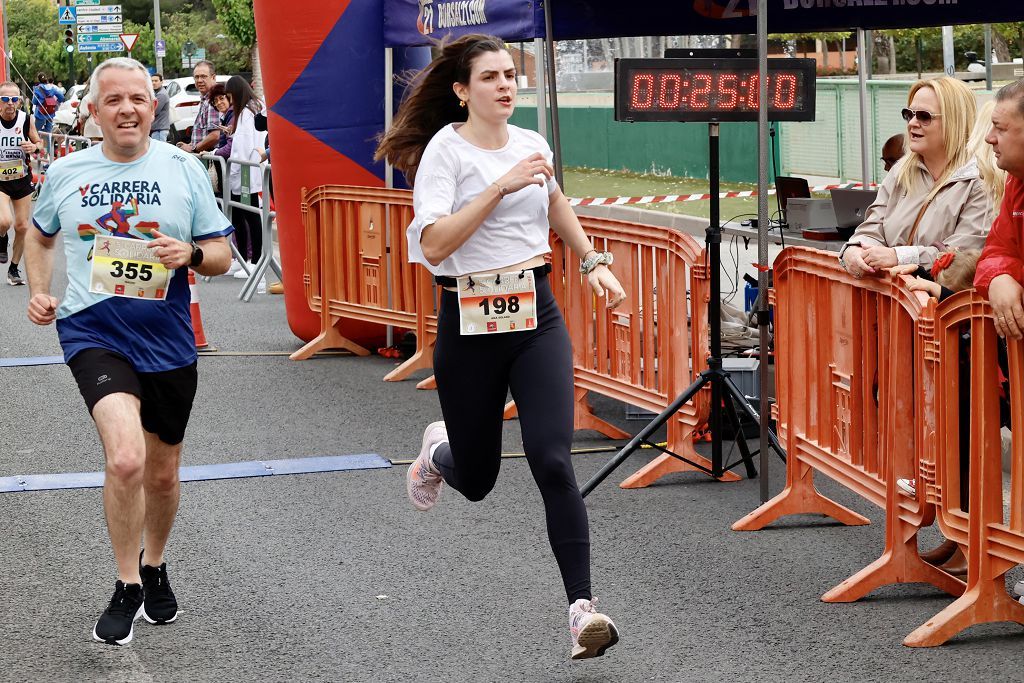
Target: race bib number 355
497, 302
126, 267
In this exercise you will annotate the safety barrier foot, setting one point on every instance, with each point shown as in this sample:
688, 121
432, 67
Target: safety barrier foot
666, 464
984, 602
329, 339
417, 361
510, 412
799, 497
429, 383
902, 564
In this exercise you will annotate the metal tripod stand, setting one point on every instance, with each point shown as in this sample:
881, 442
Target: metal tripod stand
725, 395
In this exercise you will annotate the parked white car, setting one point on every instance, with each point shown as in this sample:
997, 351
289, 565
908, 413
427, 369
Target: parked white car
183, 101
64, 119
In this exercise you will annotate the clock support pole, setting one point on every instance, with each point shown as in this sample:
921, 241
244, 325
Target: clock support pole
726, 397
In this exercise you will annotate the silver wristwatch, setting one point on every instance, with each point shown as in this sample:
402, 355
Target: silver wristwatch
597, 258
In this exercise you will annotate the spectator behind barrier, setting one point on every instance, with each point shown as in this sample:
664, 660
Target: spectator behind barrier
204, 130
162, 122
1001, 269
992, 177
934, 194
220, 101
45, 100
245, 147
893, 150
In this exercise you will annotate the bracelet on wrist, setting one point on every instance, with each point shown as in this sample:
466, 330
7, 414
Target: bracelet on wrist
502, 190
599, 258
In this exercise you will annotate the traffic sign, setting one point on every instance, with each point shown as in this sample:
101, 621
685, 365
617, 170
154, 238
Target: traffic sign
100, 28
99, 38
99, 19
161, 48
129, 40
98, 9
79, 3
101, 47
67, 15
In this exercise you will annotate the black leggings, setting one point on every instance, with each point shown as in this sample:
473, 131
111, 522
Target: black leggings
248, 228
474, 374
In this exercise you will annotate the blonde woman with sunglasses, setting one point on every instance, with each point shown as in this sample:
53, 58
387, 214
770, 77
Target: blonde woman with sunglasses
934, 197
18, 139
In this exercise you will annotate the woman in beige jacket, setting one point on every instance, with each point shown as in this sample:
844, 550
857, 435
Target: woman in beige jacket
934, 198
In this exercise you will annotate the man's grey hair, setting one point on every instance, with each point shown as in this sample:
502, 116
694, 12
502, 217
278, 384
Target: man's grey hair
1013, 91
208, 64
123, 63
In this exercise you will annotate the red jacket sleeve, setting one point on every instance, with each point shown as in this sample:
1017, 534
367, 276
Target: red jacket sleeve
1002, 254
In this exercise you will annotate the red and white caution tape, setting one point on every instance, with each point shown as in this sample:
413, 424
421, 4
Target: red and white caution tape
659, 199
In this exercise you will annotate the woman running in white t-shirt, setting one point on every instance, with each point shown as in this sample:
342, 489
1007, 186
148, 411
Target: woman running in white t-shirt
484, 200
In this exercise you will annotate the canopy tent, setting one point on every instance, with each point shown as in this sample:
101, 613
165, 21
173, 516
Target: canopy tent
418, 22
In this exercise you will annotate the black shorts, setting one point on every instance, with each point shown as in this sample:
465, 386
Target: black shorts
17, 189
166, 397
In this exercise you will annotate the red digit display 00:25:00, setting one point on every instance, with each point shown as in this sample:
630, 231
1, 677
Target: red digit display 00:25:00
711, 90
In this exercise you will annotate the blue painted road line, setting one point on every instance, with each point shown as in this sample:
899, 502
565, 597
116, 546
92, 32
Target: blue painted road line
35, 360
228, 470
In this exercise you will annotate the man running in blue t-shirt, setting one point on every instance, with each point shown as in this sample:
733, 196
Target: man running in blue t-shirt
124, 323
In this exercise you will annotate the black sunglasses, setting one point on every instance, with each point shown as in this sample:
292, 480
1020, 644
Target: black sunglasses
924, 117
8, 98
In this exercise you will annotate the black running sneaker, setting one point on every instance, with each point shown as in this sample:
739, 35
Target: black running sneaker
3, 248
116, 625
14, 277
160, 605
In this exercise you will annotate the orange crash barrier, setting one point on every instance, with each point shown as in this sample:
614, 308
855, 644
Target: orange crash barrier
357, 268
645, 352
846, 354
995, 543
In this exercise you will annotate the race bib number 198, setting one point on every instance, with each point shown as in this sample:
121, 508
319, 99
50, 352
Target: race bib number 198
497, 302
126, 267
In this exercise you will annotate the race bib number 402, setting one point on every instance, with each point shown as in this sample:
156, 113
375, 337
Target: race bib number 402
126, 267
497, 302
12, 169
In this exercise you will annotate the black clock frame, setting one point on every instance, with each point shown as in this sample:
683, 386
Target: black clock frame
624, 68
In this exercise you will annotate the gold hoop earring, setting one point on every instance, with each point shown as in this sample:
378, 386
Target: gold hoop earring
462, 103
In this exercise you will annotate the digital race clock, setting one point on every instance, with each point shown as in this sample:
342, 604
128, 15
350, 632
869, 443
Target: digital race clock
721, 89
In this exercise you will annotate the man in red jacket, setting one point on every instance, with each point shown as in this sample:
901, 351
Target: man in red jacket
1000, 275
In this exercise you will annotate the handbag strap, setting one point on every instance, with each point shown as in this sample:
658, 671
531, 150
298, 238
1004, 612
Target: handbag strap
917, 221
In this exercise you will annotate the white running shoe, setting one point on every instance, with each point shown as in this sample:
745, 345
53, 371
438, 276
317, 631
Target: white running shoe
908, 486
423, 480
240, 274
592, 632
234, 268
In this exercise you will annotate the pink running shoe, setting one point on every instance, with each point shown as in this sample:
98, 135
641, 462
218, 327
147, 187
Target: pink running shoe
592, 632
423, 480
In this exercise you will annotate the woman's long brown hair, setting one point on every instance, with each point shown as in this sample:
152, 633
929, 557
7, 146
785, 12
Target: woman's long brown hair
432, 104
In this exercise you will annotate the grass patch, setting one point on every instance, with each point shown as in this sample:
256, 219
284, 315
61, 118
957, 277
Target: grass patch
587, 182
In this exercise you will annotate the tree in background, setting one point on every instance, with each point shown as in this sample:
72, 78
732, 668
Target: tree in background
825, 37
237, 17
36, 40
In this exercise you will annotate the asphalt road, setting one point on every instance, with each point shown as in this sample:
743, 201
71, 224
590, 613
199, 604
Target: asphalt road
334, 577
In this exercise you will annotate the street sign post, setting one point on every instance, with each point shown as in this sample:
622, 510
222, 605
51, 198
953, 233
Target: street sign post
98, 9
101, 28
161, 48
101, 47
67, 15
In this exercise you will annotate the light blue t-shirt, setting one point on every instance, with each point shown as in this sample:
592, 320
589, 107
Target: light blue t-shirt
165, 189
